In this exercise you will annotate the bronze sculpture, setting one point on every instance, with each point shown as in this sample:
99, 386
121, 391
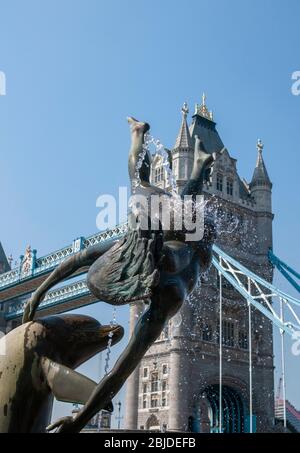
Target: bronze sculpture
159, 267
38, 364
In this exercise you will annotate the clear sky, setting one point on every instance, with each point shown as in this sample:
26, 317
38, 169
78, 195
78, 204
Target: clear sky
76, 68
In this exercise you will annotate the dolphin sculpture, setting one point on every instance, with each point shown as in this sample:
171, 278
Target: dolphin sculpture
38, 364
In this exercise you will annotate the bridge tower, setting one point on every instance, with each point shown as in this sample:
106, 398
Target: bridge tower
4, 267
176, 386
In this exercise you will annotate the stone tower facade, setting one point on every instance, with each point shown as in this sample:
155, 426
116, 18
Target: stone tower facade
176, 386
4, 267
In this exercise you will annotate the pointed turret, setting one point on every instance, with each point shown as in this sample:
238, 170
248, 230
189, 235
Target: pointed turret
183, 152
184, 140
261, 190
4, 266
260, 175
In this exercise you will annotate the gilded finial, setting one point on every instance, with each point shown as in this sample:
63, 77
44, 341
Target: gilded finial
202, 109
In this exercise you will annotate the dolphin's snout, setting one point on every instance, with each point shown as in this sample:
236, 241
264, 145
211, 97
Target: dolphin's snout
115, 332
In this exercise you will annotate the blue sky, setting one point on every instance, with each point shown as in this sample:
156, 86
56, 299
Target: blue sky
75, 69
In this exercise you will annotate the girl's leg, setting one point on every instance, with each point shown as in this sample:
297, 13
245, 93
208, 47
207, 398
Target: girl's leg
67, 268
138, 131
202, 161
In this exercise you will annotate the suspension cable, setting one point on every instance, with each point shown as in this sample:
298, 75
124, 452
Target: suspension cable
250, 360
283, 363
220, 354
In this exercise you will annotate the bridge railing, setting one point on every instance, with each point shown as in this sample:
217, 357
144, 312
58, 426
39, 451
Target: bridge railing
57, 296
49, 262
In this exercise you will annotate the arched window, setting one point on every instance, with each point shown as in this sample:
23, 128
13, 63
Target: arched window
153, 423
158, 175
154, 381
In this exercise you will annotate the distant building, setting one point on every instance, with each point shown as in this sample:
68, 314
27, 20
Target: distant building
176, 386
285, 412
100, 422
292, 415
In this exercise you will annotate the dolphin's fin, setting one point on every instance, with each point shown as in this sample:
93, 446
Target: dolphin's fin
67, 385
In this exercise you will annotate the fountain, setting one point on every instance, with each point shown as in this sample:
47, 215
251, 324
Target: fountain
157, 266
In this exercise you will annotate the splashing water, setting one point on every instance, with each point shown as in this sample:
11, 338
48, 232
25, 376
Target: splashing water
137, 180
113, 323
161, 151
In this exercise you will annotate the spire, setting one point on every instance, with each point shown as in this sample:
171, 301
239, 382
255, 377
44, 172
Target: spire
4, 266
202, 109
260, 175
184, 137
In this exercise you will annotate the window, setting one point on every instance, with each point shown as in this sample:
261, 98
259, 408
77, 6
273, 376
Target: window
229, 186
145, 402
154, 401
158, 175
207, 332
220, 182
105, 422
164, 399
145, 373
145, 388
243, 340
154, 381
182, 170
165, 368
228, 333
164, 386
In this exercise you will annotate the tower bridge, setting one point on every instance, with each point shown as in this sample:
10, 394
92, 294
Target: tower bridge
229, 385
24, 280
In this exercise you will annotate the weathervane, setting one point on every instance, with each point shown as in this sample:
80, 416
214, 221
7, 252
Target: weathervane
260, 145
185, 109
